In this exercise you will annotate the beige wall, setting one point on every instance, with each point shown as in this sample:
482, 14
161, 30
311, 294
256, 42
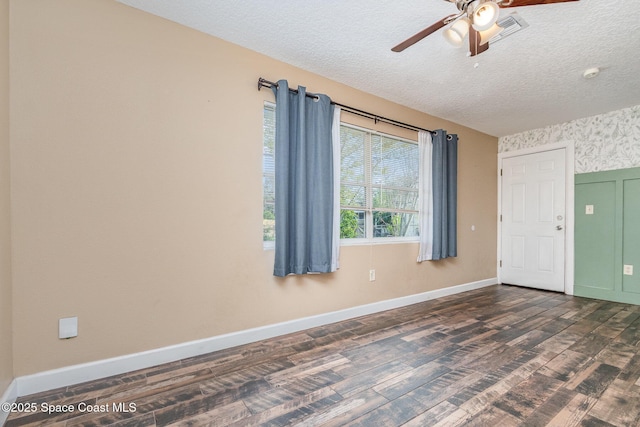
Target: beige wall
136, 178
6, 341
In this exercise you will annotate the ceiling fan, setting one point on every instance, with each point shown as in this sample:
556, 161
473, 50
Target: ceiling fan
477, 18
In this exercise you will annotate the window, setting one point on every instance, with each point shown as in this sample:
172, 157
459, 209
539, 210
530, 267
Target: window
379, 185
269, 174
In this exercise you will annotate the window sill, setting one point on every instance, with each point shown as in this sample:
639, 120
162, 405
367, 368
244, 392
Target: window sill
270, 246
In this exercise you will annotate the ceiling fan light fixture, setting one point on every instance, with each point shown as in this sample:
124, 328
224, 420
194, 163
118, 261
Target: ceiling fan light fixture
484, 15
456, 33
487, 35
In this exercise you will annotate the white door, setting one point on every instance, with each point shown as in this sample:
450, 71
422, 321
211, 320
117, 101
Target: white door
533, 220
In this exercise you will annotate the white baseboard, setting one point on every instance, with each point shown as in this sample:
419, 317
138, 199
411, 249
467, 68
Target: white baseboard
75, 374
9, 396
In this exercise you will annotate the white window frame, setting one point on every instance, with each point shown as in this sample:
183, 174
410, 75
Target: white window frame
371, 240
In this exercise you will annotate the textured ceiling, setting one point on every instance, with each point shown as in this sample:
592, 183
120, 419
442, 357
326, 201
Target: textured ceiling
529, 80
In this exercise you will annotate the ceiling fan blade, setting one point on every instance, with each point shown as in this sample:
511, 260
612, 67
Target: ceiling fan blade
518, 3
474, 43
422, 34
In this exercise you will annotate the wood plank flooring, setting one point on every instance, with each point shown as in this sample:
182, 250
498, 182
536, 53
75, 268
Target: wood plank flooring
497, 356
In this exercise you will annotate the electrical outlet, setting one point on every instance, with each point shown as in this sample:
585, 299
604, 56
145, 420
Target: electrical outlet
628, 270
372, 275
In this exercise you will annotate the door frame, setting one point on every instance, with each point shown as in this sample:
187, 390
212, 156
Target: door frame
569, 148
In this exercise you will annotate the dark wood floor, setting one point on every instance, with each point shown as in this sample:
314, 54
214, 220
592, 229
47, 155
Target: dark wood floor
498, 356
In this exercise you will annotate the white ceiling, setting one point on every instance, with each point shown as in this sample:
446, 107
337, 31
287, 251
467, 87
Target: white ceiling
529, 80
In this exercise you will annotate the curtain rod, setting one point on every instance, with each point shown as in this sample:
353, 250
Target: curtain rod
376, 118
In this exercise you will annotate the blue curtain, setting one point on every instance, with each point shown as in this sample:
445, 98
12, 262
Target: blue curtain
444, 162
303, 182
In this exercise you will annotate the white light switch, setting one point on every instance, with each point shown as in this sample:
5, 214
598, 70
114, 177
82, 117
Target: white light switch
588, 210
68, 328
628, 270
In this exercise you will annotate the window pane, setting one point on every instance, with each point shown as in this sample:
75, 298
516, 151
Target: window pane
268, 174
393, 198
353, 195
352, 224
268, 208
269, 136
394, 163
394, 224
352, 156
353, 190
269, 223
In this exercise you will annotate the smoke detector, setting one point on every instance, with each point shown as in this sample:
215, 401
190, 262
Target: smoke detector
591, 73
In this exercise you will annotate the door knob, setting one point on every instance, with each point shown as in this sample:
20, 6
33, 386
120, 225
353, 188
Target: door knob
558, 227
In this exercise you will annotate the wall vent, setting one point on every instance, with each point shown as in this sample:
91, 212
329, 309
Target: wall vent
511, 24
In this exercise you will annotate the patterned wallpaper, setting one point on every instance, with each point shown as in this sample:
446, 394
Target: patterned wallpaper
604, 142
